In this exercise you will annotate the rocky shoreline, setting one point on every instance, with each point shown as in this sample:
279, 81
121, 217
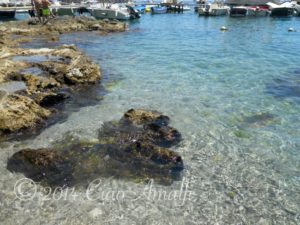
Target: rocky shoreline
34, 83
47, 81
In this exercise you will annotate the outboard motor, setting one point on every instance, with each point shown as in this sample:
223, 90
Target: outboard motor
134, 14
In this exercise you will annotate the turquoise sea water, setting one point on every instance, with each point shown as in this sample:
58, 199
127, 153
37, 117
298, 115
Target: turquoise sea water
235, 97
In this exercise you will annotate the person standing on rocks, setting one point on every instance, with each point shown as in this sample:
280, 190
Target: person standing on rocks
42, 10
37, 7
46, 12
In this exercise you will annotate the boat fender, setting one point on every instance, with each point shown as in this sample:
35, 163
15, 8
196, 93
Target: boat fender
223, 28
291, 29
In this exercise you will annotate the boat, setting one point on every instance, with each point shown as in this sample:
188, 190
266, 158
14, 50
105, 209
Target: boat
140, 8
159, 10
7, 13
258, 11
285, 9
186, 8
65, 10
238, 11
214, 9
114, 11
149, 6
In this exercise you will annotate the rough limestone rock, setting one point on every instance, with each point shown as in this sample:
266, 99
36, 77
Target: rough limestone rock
61, 25
19, 112
38, 83
127, 151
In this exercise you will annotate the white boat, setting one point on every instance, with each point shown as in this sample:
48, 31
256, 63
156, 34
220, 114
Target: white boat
214, 9
65, 10
285, 9
114, 11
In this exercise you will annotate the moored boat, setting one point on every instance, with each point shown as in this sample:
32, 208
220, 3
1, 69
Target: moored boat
7, 13
114, 11
159, 10
214, 9
140, 8
257, 11
70, 10
238, 11
285, 9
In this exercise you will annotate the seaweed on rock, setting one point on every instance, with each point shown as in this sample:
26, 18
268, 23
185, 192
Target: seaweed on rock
125, 150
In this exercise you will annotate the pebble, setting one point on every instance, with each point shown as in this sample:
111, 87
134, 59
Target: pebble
95, 212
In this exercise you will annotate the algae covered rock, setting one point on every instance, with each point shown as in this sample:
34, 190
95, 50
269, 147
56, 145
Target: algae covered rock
42, 164
141, 116
140, 125
124, 151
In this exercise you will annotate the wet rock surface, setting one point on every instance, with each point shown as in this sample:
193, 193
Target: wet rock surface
126, 151
55, 27
51, 76
65, 71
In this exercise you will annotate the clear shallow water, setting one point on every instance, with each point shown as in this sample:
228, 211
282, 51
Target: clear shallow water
234, 96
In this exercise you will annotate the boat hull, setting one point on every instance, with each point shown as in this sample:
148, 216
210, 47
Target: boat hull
7, 14
254, 12
282, 12
158, 10
213, 12
238, 12
64, 11
109, 14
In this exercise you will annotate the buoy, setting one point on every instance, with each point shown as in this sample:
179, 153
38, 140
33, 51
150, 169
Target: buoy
223, 28
291, 29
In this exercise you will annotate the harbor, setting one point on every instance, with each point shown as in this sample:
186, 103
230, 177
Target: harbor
132, 10
150, 113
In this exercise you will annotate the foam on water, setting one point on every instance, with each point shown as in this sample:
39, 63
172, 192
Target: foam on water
214, 85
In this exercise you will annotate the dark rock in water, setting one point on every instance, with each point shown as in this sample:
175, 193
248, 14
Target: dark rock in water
283, 88
125, 133
125, 150
261, 119
42, 164
51, 99
287, 87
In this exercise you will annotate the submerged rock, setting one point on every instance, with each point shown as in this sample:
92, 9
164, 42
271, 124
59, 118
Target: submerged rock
261, 119
124, 151
42, 164
49, 99
140, 116
140, 126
